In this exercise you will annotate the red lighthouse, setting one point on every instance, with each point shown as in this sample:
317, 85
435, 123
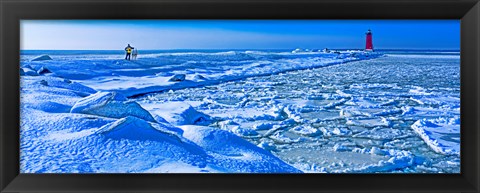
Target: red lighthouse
369, 44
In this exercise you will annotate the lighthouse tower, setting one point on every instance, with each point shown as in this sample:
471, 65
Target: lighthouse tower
369, 44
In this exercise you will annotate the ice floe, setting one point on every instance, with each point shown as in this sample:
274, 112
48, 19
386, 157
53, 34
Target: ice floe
306, 130
335, 131
399, 160
441, 134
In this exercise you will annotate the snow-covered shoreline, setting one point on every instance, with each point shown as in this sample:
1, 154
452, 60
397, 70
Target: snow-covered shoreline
149, 74
64, 132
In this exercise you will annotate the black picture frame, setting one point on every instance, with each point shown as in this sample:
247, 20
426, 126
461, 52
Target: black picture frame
12, 11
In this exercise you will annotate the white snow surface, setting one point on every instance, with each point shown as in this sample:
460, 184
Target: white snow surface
233, 151
104, 132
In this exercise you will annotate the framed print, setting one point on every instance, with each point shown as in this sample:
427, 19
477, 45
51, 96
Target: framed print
242, 96
239, 96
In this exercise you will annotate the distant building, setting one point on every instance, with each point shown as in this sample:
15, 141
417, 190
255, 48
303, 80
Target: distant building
369, 43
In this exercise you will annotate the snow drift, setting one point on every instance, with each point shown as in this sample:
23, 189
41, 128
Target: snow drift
134, 128
110, 104
178, 113
42, 57
234, 152
442, 135
106, 133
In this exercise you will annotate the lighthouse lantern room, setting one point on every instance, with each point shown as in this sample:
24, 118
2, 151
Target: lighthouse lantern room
369, 44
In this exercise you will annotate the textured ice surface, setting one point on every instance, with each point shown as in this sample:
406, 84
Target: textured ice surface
393, 114
442, 135
353, 117
306, 130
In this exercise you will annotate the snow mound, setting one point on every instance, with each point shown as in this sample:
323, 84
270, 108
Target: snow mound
43, 70
441, 134
76, 143
179, 113
28, 72
42, 57
235, 153
134, 128
51, 107
177, 78
79, 89
199, 77
110, 104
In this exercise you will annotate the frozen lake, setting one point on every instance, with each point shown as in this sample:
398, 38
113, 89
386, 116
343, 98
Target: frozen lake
352, 112
338, 114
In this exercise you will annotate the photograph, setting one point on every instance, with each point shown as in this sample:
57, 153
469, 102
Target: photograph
236, 96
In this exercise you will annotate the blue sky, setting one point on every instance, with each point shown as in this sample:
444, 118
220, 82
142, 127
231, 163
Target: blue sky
237, 34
